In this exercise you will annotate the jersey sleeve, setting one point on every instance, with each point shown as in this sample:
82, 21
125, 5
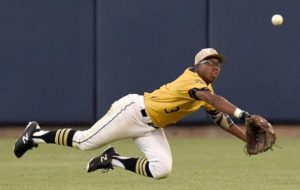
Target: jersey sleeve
197, 85
192, 92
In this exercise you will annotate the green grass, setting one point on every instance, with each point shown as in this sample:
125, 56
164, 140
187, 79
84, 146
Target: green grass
204, 163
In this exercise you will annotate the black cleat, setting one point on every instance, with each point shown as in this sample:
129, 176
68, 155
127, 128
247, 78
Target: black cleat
103, 161
25, 142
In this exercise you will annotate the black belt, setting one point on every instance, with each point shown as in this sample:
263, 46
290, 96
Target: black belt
144, 114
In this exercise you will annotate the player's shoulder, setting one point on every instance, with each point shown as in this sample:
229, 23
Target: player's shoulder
190, 69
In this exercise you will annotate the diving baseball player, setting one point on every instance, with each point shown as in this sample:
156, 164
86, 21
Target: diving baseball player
143, 118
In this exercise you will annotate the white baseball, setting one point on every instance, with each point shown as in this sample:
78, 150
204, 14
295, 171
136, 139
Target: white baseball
277, 20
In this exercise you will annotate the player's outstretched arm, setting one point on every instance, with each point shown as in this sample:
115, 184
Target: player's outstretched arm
226, 123
222, 104
263, 136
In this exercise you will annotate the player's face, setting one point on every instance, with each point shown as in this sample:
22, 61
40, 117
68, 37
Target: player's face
209, 69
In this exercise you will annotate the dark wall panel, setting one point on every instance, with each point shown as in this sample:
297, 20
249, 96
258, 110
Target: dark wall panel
62, 62
46, 71
261, 72
144, 44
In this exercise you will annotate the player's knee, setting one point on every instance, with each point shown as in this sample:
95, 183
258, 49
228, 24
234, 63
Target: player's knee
79, 143
85, 146
162, 171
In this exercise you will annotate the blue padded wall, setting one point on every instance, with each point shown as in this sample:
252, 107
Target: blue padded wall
144, 44
46, 60
67, 61
261, 73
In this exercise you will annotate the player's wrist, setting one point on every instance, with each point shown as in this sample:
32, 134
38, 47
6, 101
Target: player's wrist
241, 114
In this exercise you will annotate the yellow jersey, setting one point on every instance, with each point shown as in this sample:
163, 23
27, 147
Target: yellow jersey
174, 101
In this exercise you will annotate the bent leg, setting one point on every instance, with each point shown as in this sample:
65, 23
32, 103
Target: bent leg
157, 162
156, 148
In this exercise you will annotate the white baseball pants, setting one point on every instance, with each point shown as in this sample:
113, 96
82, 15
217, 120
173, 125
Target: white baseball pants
125, 120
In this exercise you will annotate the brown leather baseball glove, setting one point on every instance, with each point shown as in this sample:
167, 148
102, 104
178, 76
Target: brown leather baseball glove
260, 135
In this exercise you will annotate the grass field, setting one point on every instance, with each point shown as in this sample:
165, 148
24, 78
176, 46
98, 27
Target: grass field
198, 163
